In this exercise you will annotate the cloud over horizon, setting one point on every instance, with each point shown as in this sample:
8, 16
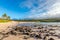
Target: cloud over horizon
42, 9
35, 9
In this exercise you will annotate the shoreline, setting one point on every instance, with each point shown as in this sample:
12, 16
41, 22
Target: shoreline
12, 31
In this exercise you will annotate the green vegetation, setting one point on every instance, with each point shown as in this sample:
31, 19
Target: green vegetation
51, 20
3, 21
26, 20
39, 20
5, 18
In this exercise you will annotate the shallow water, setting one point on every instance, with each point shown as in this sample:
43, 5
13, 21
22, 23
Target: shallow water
50, 23
40, 23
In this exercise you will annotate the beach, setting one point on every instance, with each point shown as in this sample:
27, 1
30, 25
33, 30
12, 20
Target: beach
13, 31
4, 26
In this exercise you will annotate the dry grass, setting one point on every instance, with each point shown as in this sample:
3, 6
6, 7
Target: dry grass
3, 21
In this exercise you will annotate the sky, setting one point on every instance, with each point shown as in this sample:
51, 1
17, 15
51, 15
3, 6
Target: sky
30, 9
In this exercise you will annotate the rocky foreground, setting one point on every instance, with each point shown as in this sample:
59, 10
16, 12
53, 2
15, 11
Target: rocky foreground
37, 32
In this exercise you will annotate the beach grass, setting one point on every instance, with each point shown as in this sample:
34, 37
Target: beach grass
3, 21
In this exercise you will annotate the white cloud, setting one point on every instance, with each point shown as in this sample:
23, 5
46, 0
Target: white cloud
54, 11
45, 9
52, 7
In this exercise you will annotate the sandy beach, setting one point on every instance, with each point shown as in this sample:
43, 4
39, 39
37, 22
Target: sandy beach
10, 31
4, 26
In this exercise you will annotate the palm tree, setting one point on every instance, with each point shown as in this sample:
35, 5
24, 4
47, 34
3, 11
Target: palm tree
4, 16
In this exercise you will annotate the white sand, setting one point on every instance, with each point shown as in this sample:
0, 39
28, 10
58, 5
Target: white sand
4, 26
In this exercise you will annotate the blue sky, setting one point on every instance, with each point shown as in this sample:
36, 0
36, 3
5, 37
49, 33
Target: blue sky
36, 9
